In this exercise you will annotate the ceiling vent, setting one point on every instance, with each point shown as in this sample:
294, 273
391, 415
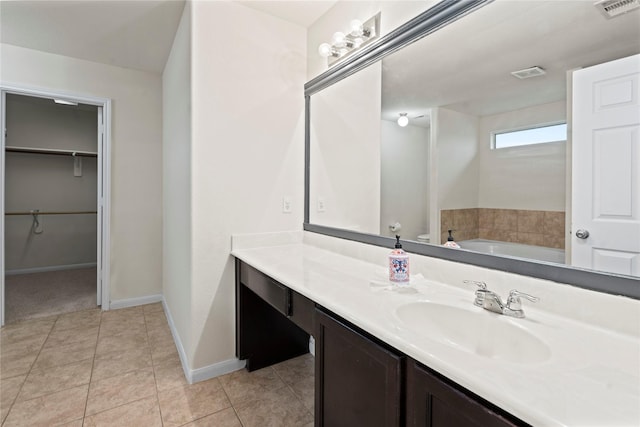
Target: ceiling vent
612, 8
529, 72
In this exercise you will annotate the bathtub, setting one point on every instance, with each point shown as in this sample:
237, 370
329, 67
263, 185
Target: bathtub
519, 250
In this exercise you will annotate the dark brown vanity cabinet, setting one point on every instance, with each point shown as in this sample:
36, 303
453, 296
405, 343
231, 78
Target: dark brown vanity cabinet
432, 401
273, 322
358, 380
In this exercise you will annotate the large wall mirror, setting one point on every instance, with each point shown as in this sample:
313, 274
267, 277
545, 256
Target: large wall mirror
502, 145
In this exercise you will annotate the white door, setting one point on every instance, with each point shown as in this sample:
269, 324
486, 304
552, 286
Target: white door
605, 223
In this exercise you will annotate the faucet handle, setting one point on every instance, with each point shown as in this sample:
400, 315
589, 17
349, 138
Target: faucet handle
480, 292
514, 303
481, 285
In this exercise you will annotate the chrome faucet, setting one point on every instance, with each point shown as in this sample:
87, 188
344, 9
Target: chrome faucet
491, 301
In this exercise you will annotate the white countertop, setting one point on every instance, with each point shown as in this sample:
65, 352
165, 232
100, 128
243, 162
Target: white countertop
591, 376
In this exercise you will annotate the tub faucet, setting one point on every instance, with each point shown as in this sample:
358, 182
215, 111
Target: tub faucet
491, 301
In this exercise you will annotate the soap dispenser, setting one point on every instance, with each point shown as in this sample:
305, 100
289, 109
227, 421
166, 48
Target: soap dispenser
450, 243
399, 264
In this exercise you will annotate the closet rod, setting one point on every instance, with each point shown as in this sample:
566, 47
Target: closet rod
50, 151
52, 213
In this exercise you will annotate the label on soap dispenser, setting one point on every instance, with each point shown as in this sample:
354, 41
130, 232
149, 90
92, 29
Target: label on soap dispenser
399, 267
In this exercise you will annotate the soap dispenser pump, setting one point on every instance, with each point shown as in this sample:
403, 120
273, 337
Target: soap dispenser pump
399, 264
450, 243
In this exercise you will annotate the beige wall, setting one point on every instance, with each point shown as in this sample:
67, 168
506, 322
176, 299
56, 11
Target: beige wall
136, 190
529, 177
176, 179
405, 179
457, 159
246, 153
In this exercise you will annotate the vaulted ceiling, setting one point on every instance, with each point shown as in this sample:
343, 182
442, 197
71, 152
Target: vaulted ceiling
131, 34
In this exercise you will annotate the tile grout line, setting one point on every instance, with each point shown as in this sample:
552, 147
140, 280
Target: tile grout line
29, 372
93, 362
299, 398
235, 411
153, 367
123, 404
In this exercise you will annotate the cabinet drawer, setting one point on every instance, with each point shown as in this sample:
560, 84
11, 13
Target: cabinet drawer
277, 295
303, 312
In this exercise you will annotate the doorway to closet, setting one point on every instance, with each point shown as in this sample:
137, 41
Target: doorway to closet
53, 222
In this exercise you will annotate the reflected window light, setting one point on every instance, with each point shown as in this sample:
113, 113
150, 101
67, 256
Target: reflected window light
530, 136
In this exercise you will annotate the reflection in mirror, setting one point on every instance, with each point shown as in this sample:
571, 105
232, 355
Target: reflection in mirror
460, 87
345, 153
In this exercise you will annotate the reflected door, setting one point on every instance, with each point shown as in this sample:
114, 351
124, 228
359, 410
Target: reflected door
605, 167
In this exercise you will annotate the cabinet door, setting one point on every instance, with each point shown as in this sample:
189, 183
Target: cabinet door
358, 382
433, 402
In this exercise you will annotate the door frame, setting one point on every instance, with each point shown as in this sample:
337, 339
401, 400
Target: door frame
103, 190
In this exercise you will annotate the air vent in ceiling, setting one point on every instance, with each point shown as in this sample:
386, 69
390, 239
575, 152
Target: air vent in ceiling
612, 8
529, 72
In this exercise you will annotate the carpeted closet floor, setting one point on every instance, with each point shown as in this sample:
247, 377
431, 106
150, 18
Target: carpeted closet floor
35, 295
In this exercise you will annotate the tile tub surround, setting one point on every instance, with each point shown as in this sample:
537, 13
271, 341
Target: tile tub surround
529, 227
590, 378
122, 368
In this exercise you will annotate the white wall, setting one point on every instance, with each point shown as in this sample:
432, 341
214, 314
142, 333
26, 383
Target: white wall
457, 159
528, 177
136, 189
247, 152
405, 179
176, 179
345, 153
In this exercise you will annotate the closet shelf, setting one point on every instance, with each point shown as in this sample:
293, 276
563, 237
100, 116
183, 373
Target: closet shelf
50, 151
51, 213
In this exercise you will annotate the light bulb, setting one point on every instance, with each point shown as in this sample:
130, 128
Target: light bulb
338, 39
357, 42
324, 50
356, 27
403, 120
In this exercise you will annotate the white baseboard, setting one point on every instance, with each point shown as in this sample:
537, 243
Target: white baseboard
49, 268
215, 370
132, 302
204, 373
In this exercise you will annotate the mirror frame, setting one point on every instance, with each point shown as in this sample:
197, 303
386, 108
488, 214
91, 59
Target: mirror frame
429, 21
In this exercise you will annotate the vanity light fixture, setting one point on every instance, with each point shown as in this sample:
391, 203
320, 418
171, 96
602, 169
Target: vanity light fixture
343, 44
613, 8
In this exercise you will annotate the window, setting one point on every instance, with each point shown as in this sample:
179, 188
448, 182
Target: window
536, 135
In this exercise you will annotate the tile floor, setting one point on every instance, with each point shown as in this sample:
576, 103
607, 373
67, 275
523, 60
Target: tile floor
121, 368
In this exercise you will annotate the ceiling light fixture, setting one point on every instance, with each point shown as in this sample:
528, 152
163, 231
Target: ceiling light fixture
403, 120
343, 44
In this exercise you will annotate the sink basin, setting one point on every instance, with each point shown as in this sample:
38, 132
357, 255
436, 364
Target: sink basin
477, 331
